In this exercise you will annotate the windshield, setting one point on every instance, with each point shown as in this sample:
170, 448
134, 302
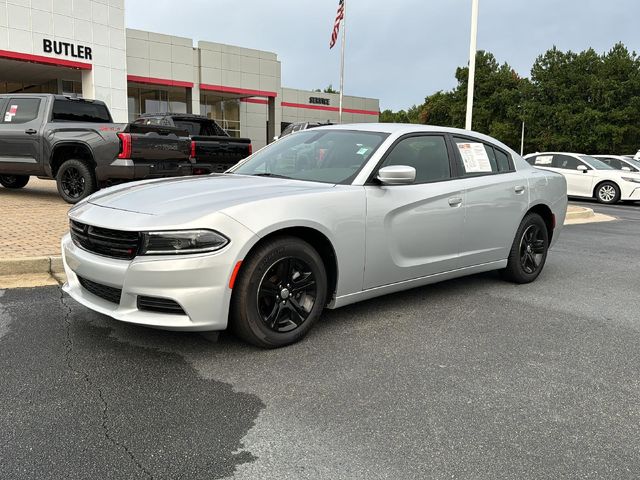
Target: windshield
635, 163
595, 163
328, 156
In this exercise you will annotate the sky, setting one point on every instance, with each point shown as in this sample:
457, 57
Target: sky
397, 50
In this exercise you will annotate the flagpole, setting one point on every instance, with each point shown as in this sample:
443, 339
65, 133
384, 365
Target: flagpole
344, 38
472, 62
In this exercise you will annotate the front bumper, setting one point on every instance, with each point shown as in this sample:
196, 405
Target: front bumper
632, 193
198, 283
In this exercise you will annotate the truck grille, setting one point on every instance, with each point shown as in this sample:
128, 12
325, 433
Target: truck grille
104, 241
110, 294
159, 305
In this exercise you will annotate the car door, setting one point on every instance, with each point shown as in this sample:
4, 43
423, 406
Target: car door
21, 121
579, 182
496, 199
414, 231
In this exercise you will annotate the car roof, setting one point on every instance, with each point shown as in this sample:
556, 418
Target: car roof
192, 116
408, 128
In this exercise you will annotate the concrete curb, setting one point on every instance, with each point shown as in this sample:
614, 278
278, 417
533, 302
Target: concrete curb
575, 213
51, 265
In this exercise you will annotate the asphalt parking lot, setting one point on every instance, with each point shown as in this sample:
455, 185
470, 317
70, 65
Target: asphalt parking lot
472, 378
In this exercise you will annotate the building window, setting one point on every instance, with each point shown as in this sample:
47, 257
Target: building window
148, 99
225, 111
14, 87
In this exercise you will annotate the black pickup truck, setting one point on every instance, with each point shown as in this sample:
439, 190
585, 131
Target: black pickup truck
76, 142
213, 149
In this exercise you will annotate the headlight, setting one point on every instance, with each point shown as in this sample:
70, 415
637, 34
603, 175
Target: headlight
182, 242
632, 180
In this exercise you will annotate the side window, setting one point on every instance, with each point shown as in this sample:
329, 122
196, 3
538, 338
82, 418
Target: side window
502, 159
427, 154
541, 161
21, 110
614, 162
477, 158
566, 162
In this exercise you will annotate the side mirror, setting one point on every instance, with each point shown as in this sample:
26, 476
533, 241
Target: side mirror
626, 169
397, 175
582, 168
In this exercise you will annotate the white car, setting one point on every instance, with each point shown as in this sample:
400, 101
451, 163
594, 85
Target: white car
620, 162
589, 177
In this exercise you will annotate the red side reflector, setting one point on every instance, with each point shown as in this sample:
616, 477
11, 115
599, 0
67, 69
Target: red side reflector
192, 154
125, 145
236, 269
250, 149
553, 221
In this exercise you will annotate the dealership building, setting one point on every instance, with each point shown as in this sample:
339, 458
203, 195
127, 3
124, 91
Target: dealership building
82, 47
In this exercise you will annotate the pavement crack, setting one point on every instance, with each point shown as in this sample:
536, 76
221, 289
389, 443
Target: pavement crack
92, 386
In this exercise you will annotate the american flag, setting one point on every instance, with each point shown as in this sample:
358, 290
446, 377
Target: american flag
336, 24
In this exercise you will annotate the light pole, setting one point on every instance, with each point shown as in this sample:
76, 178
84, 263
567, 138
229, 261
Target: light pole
472, 62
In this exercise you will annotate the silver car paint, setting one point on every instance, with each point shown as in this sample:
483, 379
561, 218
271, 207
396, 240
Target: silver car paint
385, 238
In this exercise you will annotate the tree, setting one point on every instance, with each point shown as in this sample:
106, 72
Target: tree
583, 102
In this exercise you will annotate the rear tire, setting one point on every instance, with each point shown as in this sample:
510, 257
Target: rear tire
75, 181
608, 193
279, 294
529, 250
14, 181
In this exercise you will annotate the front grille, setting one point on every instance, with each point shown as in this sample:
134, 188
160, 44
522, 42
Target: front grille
159, 305
110, 294
104, 241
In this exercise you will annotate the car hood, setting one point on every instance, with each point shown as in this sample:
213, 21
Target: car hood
203, 194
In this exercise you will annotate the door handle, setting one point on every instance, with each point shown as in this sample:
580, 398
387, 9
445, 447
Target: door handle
31, 131
455, 201
519, 188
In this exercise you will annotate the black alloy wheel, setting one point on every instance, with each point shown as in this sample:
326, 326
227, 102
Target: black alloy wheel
532, 249
528, 252
14, 181
75, 181
287, 294
279, 293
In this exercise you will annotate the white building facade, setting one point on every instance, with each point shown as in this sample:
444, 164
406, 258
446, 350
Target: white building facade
83, 47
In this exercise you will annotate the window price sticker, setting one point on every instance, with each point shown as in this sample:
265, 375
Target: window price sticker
474, 157
544, 160
8, 116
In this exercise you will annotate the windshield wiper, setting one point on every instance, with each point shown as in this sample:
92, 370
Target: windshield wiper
274, 175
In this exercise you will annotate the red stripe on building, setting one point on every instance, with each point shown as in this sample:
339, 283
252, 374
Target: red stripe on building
240, 91
329, 109
58, 62
254, 100
159, 81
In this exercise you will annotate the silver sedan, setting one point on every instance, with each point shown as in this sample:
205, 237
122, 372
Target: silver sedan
320, 219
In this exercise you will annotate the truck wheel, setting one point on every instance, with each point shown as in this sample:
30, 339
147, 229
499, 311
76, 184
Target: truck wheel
14, 181
75, 181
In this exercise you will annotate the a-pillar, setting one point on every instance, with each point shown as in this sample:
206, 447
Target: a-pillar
271, 114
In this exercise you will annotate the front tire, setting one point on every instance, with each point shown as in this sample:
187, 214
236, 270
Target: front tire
529, 250
14, 181
608, 193
279, 294
75, 181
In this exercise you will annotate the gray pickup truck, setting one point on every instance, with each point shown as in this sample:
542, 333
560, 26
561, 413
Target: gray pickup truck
75, 142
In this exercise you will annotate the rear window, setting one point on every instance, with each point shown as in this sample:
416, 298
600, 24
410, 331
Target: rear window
79, 111
194, 127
